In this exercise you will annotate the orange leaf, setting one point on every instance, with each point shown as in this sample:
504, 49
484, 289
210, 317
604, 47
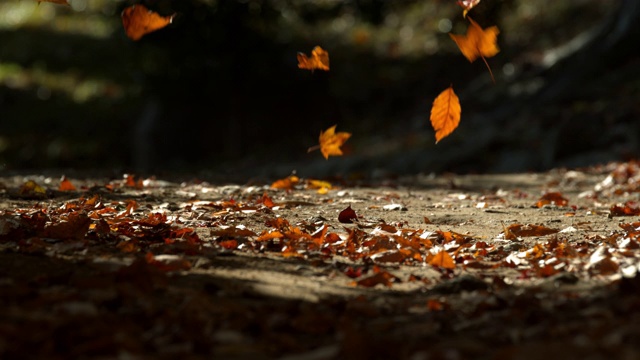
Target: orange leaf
286, 184
443, 260
319, 60
330, 142
554, 198
445, 113
478, 42
66, 185
139, 21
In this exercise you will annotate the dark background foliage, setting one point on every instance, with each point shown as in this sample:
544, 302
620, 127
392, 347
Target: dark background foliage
219, 91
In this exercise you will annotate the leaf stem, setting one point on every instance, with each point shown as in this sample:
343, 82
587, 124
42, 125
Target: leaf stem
313, 148
489, 67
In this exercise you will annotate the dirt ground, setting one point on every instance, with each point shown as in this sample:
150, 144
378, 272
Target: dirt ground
513, 266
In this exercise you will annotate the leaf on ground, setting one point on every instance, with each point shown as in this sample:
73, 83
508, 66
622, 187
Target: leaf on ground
330, 142
347, 216
478, 43
467, 5
31, 190
552, 198
319, 60
630, 208
286, 184
515, 231
443, 260
380, 277
66, 185
139, 21
445, 113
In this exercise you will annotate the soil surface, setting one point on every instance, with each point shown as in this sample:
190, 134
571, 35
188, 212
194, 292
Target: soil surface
522, 266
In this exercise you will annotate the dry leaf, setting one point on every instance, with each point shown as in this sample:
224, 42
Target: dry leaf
443, 260
66, 185
330, 142
286, 184
553, 198
445, 113
478, 42
467, 5
515, 231
347, 216
319, 60
139, 21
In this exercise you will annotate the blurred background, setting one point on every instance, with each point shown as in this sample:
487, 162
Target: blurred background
218, 91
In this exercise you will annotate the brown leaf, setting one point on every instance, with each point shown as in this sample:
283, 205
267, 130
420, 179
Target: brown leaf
630, 208
139, 21
347, 216
381, 277
515, 231
319, 60
553, 198
445, 113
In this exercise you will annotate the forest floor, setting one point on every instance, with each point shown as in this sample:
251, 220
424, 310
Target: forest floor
512, 266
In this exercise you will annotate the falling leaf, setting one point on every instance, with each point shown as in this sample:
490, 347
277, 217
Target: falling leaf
467, 5
139, 21
443, 260
330, 142
66, 185
478, 42
445, 113
347, 216
319, 60
553, 198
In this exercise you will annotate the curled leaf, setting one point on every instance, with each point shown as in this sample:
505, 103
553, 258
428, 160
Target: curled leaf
445, 113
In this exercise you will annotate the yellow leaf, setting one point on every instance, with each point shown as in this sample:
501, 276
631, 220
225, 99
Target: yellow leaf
445, 113
330, 142
319, 60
